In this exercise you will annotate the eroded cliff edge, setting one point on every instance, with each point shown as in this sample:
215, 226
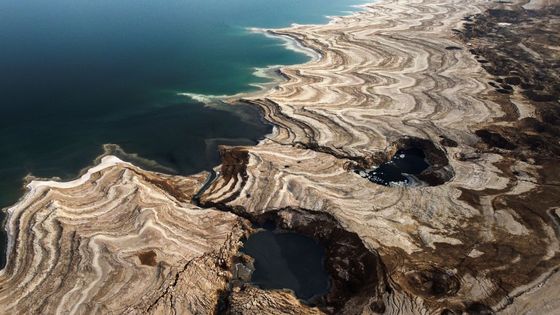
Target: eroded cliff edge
478, 234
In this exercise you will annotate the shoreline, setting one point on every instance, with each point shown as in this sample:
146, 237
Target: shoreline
104, 162
272, 72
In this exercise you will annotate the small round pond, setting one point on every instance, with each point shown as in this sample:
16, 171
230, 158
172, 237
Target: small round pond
400, 169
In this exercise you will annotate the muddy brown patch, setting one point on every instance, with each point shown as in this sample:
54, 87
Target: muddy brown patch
432, 283
234, 162
447, 142
494, 139
148, 258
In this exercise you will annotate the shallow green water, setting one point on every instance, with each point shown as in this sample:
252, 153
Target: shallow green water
77, 74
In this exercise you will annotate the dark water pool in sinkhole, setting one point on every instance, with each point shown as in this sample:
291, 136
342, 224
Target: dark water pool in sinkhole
287, 260
400, 169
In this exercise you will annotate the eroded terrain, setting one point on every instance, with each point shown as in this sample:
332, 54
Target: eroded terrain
472, 85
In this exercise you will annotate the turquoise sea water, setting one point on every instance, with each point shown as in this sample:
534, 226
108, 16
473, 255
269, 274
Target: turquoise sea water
77, 74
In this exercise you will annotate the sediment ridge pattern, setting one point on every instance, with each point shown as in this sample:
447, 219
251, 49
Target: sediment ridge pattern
482, 237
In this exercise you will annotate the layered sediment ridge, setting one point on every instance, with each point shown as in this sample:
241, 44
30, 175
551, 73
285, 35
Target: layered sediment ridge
479, 237
116, 240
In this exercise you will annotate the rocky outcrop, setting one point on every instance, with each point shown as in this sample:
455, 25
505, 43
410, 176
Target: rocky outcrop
254, 301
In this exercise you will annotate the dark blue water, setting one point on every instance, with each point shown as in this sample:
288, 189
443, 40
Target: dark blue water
77, 74
288, 260
399, 169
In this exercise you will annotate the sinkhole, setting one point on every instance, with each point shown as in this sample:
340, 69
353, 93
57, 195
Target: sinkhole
400, 169
411, 161
287, 260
